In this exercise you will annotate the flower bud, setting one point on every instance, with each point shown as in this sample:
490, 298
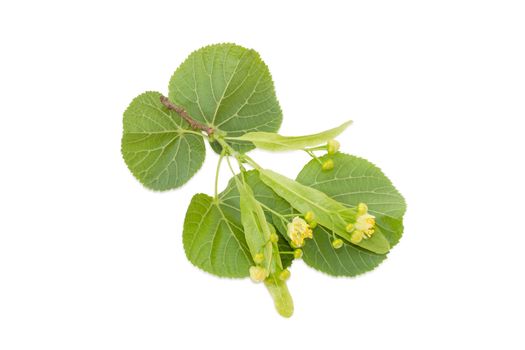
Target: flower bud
258, 258
313, 224
333, 146
349, 227
337, 243
309, 216
298, 254
328, 165
274, 238
258, 274
357, 236
284, 275
362, 208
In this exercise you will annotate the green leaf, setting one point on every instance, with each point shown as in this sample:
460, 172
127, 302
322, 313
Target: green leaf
213, 235
213, 240
229, 88
349, 260
353, 180
275, 142
328, 212
156, 145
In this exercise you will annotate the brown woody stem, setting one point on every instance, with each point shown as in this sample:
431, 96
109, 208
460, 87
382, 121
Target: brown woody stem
184, 115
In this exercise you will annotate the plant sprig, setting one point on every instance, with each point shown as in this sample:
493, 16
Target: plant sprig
341, 214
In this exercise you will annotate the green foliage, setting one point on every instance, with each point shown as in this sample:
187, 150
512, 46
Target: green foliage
229, 88
349, 260
214, 239
355, 180
156, 145
342, 215
330, 213
275, 142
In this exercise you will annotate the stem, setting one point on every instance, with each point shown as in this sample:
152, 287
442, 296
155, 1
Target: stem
240, 157
273, 211
318, 148
184, 115
230, 166
217, 174
313, 156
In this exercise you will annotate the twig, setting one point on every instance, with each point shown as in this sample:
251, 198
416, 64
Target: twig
184, 115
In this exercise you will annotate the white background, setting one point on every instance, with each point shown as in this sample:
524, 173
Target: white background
89, 259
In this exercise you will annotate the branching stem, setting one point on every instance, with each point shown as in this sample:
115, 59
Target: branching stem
313, 156
184, 115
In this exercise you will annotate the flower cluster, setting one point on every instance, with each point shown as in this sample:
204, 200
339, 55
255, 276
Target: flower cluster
298, 230
364, 225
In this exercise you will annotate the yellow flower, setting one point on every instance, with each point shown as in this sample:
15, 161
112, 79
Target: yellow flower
258, 274
364, 226
298, 230
365, 223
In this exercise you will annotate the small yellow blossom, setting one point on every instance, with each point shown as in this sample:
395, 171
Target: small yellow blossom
298, 230
258, 274
298, 254
364, 225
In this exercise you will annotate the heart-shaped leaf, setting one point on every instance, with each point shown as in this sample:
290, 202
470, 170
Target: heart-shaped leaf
353, 180
213, 235
157, 145
229, 88
214, 241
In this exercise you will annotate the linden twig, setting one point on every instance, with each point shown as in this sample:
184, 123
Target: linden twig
184, 115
